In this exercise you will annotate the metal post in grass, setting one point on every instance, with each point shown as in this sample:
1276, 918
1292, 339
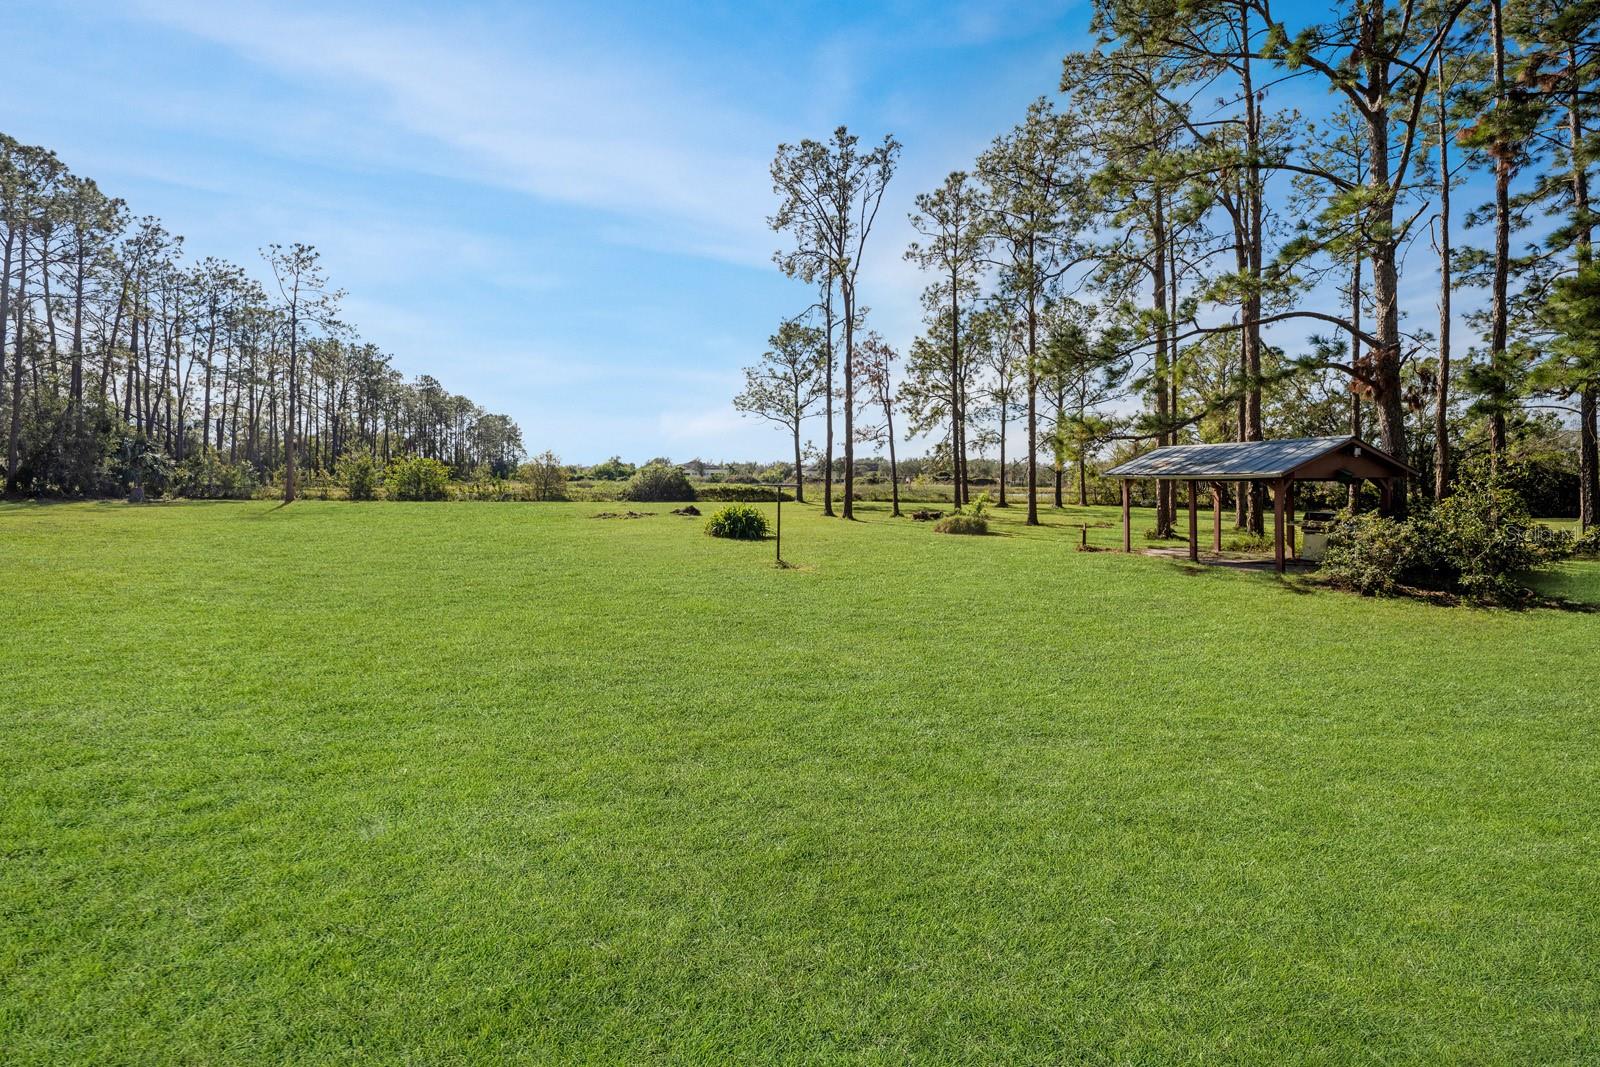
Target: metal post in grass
777, 498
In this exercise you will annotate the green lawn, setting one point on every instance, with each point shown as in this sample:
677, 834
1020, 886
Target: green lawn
418, 783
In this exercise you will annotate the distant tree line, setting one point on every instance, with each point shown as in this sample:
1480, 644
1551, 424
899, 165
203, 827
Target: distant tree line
122, 361
1135, 241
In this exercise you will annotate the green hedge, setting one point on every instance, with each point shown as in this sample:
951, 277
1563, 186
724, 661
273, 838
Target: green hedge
747, 494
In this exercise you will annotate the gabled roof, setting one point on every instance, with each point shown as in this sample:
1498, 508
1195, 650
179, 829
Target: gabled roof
1246, 459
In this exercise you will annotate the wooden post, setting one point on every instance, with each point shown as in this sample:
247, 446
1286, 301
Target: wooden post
1293, 552
1194, 521
1127, 518
1278, 491
1216, 517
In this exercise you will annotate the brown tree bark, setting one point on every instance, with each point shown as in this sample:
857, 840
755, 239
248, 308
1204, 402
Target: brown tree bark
1498, 310
1441, 409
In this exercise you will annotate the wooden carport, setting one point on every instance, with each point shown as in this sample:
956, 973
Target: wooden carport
1281, 464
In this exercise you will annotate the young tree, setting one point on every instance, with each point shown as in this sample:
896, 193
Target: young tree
545, 477
1000, 359
786, 384
305, 301
1086, 372
878, 398
953, 221
829, 195
1030, 176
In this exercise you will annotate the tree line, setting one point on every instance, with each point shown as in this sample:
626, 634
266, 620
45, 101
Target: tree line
1119, 269
122, 360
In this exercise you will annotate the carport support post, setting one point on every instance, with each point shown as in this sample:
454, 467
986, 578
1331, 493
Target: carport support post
1127, 517
1216, 517
1194, 521
1279, 489
1293, 552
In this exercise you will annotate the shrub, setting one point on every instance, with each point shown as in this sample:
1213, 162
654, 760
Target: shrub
971, 519
1371, 555
961, 523
1588, 544
206, 476
360, 474
545, 477
612, 470
1474, 543
760, 494
485, 486
417, 478
658, 482
1482, 536
740, 521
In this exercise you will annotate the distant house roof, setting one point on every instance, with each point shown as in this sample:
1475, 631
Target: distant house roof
1239, 460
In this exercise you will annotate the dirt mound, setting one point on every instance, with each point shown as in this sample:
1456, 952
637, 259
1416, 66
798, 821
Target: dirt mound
623, 515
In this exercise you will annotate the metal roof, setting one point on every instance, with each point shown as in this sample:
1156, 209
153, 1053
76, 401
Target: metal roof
1234, 460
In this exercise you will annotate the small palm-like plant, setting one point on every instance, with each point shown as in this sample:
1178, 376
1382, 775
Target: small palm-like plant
742, 522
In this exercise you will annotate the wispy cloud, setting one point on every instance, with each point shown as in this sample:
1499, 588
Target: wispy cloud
601, 131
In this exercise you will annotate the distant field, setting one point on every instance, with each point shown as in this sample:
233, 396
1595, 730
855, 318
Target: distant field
471, 782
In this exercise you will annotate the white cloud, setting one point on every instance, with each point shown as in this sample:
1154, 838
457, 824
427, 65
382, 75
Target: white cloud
601, 130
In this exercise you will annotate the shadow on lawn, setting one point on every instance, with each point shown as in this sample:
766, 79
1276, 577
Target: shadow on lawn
1306, 583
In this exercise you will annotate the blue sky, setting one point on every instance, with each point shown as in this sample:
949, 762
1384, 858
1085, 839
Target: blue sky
557, 210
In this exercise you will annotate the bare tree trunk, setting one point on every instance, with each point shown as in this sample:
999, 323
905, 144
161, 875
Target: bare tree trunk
289, 426
848, 294
13, 447
799, 471
75, 389
894, 466
1354, 498
1588, 458
1441, 410
1158, 232
1387, 401
827, 465
1002, 481
1033, 393
205, 405
5, 316
1498, 311
1588, 393
1254, 502
955, 387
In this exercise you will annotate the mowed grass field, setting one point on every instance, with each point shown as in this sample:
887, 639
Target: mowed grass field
418, 783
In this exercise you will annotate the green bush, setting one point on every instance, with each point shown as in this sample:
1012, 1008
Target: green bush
759, 494
545, 477
206, 476
612, 470
971, 519
360, 474
962, 523
1475, 543
740, 521
1371, 555
1589, 544
658, 482
1482, 536
417, 478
